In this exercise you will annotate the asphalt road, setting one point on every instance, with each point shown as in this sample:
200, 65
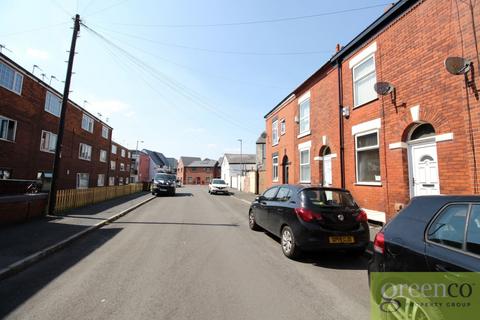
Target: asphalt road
188, 257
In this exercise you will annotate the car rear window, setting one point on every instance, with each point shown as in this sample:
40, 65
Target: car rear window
327, 198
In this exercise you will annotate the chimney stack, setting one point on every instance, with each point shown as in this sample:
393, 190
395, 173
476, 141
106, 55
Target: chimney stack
338, 47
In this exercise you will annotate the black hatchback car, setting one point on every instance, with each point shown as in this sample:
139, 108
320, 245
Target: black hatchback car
433, 233
310, 218
164, 183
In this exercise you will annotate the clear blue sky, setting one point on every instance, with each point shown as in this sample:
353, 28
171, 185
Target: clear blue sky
183, 88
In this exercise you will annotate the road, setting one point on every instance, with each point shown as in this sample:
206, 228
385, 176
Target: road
188, 257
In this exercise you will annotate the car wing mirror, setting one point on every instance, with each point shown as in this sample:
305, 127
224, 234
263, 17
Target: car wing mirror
260, 198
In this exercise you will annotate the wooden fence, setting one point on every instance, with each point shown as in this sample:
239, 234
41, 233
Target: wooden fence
75, 198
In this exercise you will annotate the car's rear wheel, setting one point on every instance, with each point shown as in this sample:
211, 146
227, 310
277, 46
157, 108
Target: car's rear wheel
251, 221
289, 248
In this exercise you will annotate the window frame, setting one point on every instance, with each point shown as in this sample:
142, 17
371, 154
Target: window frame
106, 130
111, 181
283, 127
100, 156
17, 76
122, 166
122, 153
309, 164
114, 167
89, 147
78, 180
14, 129
354, 81
275, 135
48, 102
114, 147
361, 134
304, 117
41, 141
103, 180
90, 120
275, 165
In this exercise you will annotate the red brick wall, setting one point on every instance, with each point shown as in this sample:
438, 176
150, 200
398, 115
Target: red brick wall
200, 175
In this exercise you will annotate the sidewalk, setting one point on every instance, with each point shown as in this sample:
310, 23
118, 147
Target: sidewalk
20, 241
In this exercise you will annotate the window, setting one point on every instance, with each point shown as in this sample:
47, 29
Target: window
270, 193
5, 173
129, 155
48, 141
103, 156
114, 149
275, 168
101, 180
473, 231
304, 116
87, 123
282, 127
111, 181
120, 181
85, 152
8, 129
275, 132
82, 180
10, 79
283, 194
364, 79
53, 104
207, 179
122, 166
123, 153
112, 165
105, 132
189, 179
305, 165
368, 158
449, 227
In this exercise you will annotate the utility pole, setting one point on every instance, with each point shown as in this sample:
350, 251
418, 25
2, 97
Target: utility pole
61, 126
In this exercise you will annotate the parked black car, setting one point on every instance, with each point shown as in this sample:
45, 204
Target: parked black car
164, 183
310, 218
433, 233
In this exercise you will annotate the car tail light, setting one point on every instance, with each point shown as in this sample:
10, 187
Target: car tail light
307, 215
379, 243
362, 216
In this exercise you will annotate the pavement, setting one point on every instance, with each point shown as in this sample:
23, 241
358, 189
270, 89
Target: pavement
23, 244
192, 256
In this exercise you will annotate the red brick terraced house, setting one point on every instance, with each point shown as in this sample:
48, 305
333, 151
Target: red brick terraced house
29, 118
183, 162
420, 136
198, 171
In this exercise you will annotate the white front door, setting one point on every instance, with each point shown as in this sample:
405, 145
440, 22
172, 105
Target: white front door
327, 170
424, 169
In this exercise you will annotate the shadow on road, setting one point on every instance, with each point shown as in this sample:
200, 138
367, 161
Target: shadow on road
180, 223
17, 289
178, 194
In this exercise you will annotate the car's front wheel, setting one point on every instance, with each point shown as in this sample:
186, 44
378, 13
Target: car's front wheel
289, 248
251, 221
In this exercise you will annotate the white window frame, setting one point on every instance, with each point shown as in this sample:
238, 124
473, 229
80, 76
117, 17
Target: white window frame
101, 182
79, 175
304, 117
283, 127
302, 165
87, 123
122, 152
113, 164
105, 131
53, 104
275, 135
114, 149
377, 147
275, 169
129, 155
354, 81
17, 78
81, 153
2, 118
111, 181
122, 166
120, 181
48, 140
104, 153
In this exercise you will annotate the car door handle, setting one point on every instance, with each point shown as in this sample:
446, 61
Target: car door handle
263, 203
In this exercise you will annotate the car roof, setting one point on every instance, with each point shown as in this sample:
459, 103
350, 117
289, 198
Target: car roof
300, 187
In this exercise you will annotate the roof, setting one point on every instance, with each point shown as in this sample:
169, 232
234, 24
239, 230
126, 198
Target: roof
207, 163
263, 138
187, 160
157, 157
220, 161
49, 87
392, 13
241, 158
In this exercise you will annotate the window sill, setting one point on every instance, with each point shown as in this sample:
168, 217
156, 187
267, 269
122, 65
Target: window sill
47, 151
6, 140
368, 184
275, 144
365, 103
309, 182
85, 159
87, 130
275, 180
304, 134
17, 93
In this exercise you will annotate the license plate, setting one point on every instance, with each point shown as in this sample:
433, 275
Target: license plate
163, 189
341, 239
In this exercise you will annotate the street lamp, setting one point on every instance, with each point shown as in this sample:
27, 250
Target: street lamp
137, 161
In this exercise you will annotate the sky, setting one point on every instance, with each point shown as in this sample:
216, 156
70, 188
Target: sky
188, 78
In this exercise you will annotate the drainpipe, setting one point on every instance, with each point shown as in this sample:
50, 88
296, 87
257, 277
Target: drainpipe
340, 123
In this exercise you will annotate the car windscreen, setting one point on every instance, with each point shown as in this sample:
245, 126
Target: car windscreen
163, 176
321, 198
218, 181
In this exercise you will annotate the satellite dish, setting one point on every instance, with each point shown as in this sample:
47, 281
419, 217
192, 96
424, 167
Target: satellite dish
457, 65
383, 88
